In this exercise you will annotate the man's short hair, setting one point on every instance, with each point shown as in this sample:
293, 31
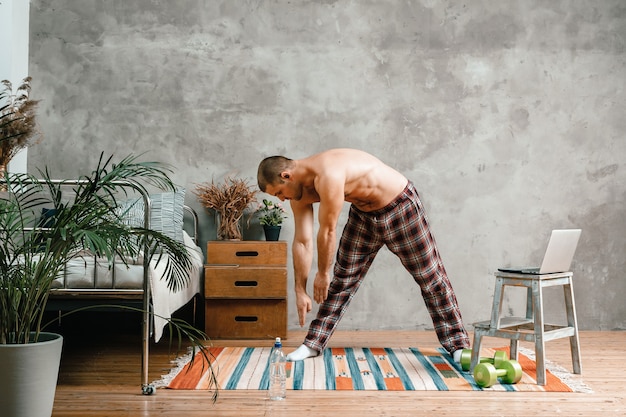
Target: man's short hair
270, 169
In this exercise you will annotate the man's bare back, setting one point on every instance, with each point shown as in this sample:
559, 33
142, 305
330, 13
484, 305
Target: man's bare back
368, 183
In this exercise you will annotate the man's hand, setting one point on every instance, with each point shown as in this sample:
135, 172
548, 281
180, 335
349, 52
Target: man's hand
303, 303
320, 287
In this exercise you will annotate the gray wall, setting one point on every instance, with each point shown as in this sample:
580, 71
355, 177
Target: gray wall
508, 115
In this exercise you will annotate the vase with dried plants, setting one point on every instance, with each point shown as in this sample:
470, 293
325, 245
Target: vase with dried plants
17, 121
229, 201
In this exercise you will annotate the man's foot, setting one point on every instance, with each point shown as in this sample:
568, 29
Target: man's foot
457, 355
302, 353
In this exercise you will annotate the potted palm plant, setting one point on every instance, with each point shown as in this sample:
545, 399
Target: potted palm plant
31, 258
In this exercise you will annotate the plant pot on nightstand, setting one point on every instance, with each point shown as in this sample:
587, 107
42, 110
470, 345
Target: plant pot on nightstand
272, 233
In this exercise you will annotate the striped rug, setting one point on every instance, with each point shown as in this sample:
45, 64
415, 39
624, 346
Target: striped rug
394, 369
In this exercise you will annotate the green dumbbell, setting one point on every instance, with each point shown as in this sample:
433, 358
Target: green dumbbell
486, 375
498, 358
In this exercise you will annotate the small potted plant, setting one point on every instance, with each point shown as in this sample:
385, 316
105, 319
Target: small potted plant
271, 216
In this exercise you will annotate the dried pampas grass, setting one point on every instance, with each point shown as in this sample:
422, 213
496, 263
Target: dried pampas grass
17, 120
229, 200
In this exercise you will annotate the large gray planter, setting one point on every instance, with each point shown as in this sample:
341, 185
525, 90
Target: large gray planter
28, 376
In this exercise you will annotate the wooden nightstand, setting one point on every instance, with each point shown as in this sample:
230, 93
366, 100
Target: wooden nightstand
245, 289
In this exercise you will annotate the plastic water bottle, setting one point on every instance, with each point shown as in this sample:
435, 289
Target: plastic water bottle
278, 375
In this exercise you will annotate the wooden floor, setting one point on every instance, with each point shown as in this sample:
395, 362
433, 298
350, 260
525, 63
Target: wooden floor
100, 376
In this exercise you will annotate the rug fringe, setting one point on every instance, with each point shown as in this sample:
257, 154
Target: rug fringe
178, 365
575, 383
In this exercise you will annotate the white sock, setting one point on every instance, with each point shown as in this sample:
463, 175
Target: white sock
302, 353
457, 355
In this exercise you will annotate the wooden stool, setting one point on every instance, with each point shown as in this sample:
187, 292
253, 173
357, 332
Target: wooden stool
532, 327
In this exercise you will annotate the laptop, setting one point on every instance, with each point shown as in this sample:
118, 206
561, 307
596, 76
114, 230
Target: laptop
558, 256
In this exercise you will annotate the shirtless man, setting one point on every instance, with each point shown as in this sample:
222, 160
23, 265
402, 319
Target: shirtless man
385, 210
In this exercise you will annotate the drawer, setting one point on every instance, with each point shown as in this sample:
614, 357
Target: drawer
245, 282
247, 253
246, 319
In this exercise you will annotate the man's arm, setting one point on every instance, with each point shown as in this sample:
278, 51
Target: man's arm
302, 249
331, 192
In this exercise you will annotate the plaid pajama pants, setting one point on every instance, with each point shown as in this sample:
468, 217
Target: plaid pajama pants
403, 226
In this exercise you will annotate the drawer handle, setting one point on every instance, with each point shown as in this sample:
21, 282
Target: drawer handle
248, 319
246, 283
247, 253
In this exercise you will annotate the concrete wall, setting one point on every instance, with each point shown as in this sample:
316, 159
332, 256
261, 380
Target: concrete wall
508, 115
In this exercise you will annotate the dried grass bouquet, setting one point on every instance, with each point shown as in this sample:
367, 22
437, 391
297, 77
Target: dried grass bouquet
229, 200
17, 120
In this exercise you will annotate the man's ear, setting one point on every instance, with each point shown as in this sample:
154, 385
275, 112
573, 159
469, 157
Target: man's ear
285, 175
